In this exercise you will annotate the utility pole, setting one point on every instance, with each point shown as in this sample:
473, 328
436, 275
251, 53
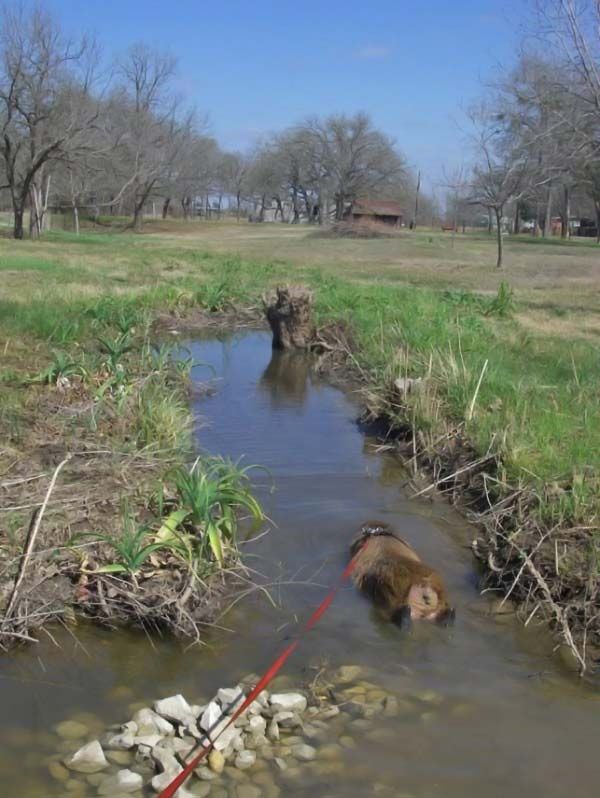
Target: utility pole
417, 200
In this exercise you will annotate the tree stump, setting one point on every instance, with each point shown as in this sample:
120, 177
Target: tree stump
289, 313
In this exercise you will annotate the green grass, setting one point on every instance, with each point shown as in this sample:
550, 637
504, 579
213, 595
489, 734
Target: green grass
537, 405
440, 317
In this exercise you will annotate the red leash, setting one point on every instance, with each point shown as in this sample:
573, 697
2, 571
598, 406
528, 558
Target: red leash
269, 674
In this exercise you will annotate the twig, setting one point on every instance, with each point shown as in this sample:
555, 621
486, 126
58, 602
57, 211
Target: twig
469, 467
36, 520
474, 399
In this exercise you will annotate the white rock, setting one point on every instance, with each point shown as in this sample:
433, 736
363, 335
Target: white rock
227, 737
162, 781
281, 763
129, 728
205, 773
211, 717
304, 752
273, 731
288, 702
257, 725
164, 760
120, 742
245, 759
175, 708
287, 720
88, 759
150, 722
123, 781
197, 710
148, 739
230, 698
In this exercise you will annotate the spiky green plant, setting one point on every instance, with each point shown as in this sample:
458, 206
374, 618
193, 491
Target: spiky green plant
503, 304
132, 547
214, 491
63, 366
115, 349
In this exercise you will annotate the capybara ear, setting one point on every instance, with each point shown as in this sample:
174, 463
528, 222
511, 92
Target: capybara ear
402, 617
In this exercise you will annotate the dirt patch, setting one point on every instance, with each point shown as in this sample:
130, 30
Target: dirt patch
364, 230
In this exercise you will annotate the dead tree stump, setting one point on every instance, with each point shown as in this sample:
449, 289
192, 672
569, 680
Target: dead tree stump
289, 313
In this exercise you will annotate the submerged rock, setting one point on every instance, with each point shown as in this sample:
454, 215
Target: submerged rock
119, 757
125, 781
304, 752
245, 759
58, 771
348, 673
71, 730
88, 759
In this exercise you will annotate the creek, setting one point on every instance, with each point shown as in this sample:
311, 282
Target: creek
489, 710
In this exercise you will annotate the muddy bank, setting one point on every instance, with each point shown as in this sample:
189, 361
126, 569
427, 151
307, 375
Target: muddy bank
98, 492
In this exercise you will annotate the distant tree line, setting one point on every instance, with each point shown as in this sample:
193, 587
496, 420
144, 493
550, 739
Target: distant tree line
535, 134
77, 139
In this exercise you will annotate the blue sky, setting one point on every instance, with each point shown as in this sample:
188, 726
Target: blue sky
256, 67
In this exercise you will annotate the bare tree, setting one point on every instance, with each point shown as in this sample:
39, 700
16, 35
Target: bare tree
148, 129
233, 169
46, 110
500, 174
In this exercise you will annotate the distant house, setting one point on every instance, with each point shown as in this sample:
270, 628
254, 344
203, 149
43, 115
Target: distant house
383, 211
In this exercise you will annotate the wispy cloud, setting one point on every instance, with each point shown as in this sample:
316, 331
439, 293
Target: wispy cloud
372, 52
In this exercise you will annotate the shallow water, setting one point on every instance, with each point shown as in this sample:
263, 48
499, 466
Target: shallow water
504, 719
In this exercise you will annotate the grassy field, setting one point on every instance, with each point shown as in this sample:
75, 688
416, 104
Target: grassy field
514, 366
423, 292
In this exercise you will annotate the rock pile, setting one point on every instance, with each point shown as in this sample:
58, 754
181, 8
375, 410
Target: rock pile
282, 736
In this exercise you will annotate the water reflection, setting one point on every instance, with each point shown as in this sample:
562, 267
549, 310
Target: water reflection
286, 378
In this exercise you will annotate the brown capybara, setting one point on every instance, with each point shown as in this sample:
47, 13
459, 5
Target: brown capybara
391, 574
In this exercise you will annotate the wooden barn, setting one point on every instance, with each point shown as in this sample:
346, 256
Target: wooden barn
382, 211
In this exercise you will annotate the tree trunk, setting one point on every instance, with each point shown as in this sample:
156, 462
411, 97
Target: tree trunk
498, 212
597, 207
76, 219
289, 313
19, 212
517, 222
138, 216
295, 209
237, 205
564, 221
417, 201
490, 225
548, 215
165, 208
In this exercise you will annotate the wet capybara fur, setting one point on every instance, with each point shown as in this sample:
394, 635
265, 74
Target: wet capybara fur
391, 573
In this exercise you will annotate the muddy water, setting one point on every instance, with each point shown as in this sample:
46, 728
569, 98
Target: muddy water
491, 711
